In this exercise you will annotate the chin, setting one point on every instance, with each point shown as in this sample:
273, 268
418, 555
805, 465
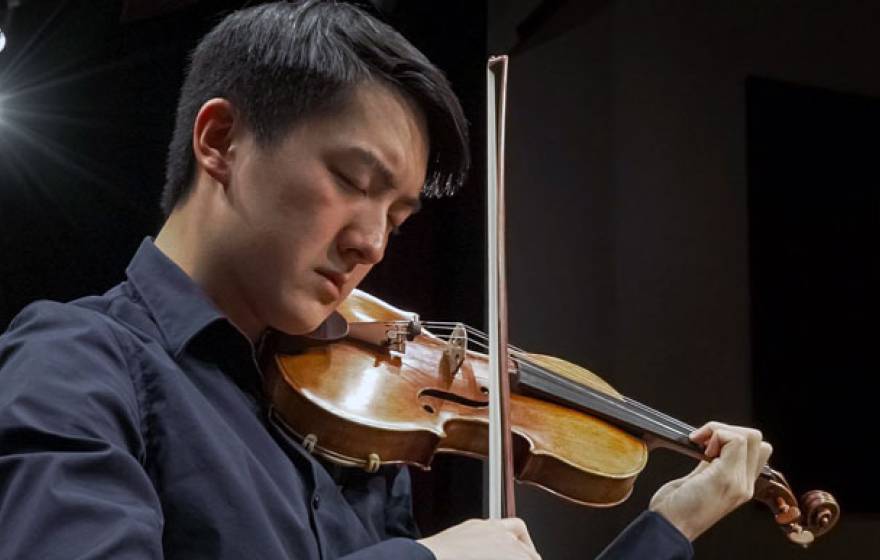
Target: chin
299, 321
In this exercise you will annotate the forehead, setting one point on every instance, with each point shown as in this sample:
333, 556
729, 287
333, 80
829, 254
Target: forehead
376, 126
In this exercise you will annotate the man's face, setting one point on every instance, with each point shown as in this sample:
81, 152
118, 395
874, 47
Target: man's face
306, 220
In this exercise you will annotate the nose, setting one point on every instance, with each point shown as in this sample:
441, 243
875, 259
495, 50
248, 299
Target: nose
363, 241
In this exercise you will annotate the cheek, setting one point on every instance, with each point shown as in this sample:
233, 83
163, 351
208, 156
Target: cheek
311, 220
266, 256
286, 198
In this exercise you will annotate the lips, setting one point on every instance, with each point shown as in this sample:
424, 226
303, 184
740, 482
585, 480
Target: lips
337, 278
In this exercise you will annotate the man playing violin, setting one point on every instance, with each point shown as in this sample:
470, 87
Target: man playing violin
133, 424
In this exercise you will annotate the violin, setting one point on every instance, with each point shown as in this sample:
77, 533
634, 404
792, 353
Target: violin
375, 386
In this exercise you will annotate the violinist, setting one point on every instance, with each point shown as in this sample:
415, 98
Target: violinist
133, 424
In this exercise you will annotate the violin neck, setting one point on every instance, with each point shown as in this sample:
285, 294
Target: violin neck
656, 428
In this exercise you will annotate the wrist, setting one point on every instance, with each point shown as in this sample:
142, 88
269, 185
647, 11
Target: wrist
682, 523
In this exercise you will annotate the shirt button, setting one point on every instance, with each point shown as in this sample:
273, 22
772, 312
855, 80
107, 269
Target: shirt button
316, 501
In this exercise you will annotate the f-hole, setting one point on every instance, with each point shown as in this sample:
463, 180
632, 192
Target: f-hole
447, 396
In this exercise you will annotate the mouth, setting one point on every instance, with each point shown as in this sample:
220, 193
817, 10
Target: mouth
337, 279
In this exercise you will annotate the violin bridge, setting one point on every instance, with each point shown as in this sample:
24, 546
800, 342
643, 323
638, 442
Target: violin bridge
456, 346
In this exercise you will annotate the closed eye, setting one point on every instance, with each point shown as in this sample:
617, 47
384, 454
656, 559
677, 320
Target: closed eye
349, 183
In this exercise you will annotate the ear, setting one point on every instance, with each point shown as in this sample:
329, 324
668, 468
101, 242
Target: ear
213, 132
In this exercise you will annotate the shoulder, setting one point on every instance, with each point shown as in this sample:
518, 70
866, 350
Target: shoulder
66, 382
52, 328
116, 317
62, 351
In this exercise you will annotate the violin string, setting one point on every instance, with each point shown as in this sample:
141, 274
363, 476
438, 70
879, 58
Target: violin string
685, 429
682, 428
675, 426
682, 425
610, 401
452, 326
477, 343
481, 344
470, 330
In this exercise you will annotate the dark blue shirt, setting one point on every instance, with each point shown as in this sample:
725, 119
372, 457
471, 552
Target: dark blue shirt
132, 426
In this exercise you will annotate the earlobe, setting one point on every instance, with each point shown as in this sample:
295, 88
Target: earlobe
212, 138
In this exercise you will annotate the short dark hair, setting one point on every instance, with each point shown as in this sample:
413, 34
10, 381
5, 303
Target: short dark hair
281, 62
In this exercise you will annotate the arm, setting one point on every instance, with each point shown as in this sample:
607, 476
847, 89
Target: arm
650, 535
399, 518
397, 548
71, 480
682, 509
399, 523
474, 539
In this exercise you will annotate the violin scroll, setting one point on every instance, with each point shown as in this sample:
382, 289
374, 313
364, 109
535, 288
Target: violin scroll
820, 510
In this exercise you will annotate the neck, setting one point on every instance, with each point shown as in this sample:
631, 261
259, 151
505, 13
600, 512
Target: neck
187, 240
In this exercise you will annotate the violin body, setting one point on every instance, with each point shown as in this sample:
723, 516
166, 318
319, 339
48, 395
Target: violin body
359, 407
362, 399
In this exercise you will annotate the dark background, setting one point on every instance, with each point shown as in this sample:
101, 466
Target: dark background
693, 203
814, 204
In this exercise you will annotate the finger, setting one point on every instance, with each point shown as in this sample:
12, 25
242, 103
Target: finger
704, 432
716, 441
518, 528
733, 462
737, 444
764, 455
754, 439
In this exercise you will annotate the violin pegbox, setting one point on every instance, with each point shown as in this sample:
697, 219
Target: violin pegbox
803, 521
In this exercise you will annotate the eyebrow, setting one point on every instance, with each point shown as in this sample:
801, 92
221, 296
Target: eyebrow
370, 159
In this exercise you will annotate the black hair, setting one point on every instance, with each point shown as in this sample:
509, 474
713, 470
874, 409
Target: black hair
278, 63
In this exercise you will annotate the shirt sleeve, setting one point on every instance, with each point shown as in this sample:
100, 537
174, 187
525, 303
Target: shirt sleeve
72, 483
650, 535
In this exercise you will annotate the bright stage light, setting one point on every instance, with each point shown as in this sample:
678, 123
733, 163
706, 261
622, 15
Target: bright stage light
2, 40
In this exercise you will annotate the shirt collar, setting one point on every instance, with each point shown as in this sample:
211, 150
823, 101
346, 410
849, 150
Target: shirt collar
178, 305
